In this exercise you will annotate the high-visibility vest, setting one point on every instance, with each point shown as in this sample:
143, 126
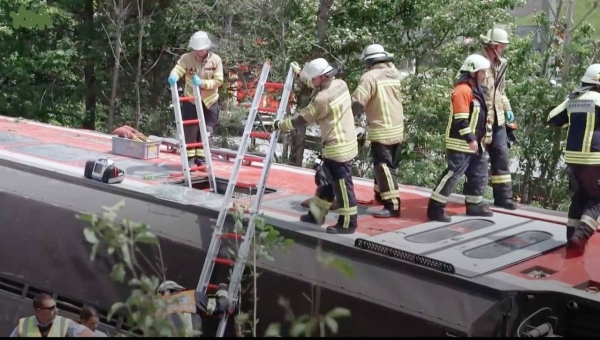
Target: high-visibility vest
28, 327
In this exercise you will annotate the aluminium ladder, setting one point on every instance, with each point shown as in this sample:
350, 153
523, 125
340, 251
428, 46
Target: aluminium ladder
215, 244
208, 167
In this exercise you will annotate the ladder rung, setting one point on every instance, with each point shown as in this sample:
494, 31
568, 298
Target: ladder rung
186, 99
211, 286
191, 122
196, 174
265, 135
267, 109
274, 85
193, 145
225, 261
232, 236
198, 168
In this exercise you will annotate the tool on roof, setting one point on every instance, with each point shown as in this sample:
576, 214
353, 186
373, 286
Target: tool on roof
103, 170
259, 189
208, 167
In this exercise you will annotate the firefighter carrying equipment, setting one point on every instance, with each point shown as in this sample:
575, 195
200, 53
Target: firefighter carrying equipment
209, 72
379, 95
28, 327
466, 125
581, 113
185, 308
331, 109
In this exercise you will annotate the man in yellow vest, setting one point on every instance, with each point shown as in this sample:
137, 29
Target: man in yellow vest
192, 305
46, 323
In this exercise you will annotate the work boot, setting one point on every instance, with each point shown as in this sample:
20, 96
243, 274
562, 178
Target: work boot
377, 198
437, 212
507, 204
479, 209
570, 232
200, 161
334, 229
191, 162
580, 237
308, 218
384, 213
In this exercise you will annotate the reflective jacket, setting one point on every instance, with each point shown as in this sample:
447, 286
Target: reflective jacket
28, 327
494, 87
468, 118
331, 109
581, 113
379, 92
210, 71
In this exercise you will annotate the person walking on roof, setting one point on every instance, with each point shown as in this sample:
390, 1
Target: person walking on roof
378, 96
500, 115
467, 132
192, 305
203, 68
581, 113
331, 109
46, 323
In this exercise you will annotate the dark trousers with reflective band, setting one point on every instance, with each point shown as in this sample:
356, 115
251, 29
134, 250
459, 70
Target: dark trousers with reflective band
386, 174
585, 202
500, 164
192, 131
474, 166
338, 184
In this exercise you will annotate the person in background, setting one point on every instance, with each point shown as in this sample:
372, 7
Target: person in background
89, 318
202, 68
46, 323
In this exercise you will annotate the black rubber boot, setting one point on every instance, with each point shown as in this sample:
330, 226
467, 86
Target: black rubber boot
570, 232
191, 162
437, 212
580, 237
338, 230
479, 209
384, 213
308, 218
377, 198
200, 161
507, 204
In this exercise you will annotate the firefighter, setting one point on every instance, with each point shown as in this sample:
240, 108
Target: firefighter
466, 135
331, 109
500, 115
203, 68
378, 97
192, 305
581, 113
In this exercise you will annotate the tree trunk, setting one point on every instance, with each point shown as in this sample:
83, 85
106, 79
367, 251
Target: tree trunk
138, 74
567, 42
116, 66
299, 138
89, 69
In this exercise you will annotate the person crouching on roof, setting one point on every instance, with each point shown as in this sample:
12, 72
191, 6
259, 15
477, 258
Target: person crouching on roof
331, 109
467, 133
202, 68
192, 305
581, 113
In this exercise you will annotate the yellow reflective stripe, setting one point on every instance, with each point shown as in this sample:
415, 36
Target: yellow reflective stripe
588, 135
348, 211
210, 100
383, 133
440, 198
384, 104
473, 199
200, 152
465, 131
500, 179
321, 203
339, 150
336, 109
360, 92
474, 118
590, 222
461, 116
191, 153
345, 206
178, 70
458, 145
583, 158
208, 84
557, 110
572, 222
219, 76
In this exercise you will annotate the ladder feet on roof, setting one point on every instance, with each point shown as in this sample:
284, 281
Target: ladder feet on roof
256, 190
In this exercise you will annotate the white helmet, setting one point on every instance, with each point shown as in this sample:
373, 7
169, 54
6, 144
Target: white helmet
317, 67
474, 63
374, 51
497, 35
199, 41
592, 75
169, 285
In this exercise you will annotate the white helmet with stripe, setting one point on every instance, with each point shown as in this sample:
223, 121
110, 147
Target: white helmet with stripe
474, 63
317, 67
592, 75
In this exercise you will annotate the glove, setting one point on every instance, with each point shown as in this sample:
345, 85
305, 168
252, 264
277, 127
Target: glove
196, 80
510, 116
276, 124
173, 79
295, 68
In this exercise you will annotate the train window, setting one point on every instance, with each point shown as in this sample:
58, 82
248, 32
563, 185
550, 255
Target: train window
507, 245
449, 231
